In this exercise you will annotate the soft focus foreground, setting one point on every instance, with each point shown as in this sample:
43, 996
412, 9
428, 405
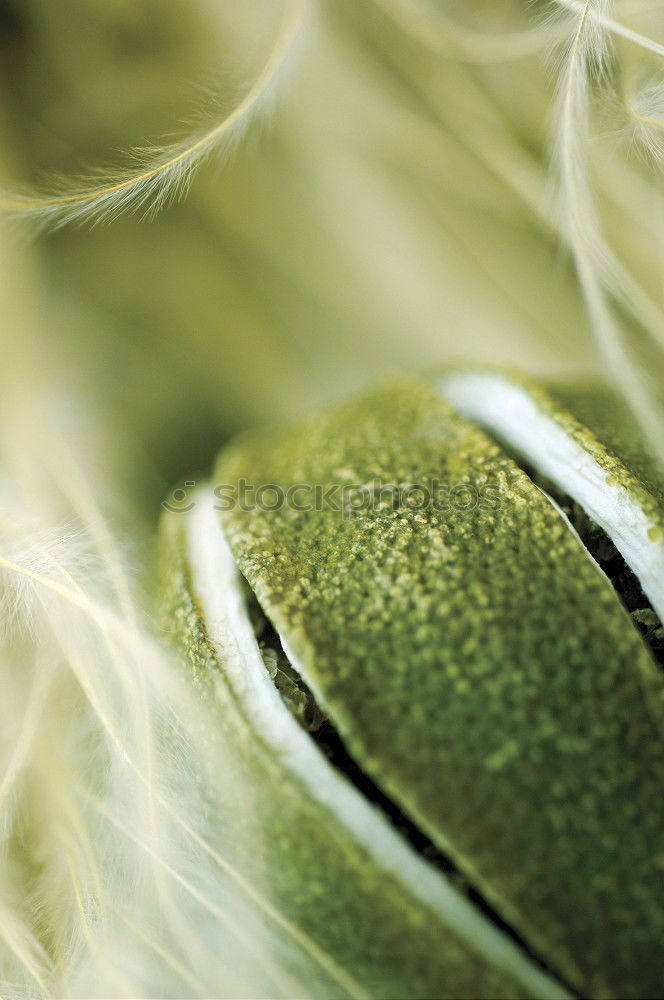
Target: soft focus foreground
416, 181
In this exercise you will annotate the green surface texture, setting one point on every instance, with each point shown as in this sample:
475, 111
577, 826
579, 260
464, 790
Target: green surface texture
343, 928
479, 667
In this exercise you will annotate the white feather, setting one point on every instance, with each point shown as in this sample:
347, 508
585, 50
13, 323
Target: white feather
163, 174
596, 265
599, 18
645, 128
114, 779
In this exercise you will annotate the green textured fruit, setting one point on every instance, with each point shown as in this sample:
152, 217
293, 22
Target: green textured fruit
480, 813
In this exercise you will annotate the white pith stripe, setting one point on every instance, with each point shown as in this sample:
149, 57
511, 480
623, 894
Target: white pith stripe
216, 584
508, 411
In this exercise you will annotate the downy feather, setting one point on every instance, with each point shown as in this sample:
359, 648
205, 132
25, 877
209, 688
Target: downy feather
594, 261
163, 174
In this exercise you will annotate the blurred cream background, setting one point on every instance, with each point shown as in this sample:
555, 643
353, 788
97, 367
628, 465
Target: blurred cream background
387, 214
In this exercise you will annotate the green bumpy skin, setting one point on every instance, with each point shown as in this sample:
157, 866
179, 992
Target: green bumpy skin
594, 416
481, 669
343, 927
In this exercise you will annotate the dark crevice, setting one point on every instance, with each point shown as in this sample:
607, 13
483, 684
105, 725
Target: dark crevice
302, 705
606, 555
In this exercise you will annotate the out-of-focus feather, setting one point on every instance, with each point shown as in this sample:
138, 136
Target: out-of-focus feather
597, 16
103, 721
161, 175
645, 125
596, 265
